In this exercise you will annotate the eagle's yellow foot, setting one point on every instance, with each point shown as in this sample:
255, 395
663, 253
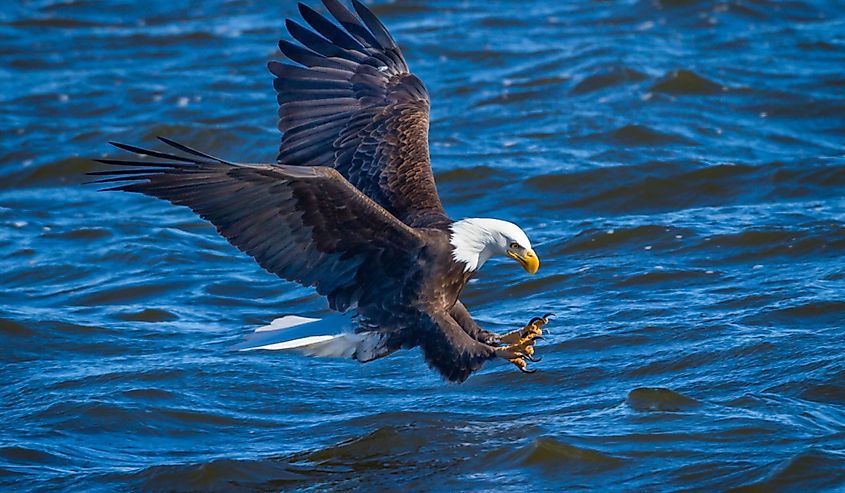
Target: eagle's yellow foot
519, 344
518, 353
532, 331
522, 365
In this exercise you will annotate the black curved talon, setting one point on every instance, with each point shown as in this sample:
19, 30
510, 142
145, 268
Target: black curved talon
547, 317
533, 359
536, 320
526, 370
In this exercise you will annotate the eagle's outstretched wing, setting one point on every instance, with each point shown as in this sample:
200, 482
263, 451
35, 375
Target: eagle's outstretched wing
307, 225
352, 104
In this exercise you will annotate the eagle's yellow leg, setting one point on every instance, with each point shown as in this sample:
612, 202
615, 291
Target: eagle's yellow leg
531, 331
522, 365
518, 353
519, 344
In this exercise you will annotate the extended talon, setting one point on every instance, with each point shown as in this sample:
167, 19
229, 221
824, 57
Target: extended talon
546, 319
518, 345
538, 325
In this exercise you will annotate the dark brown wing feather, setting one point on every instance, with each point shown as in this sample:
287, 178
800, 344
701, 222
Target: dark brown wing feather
352, 104
307, 225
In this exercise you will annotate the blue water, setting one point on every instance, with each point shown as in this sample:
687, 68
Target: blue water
678, 165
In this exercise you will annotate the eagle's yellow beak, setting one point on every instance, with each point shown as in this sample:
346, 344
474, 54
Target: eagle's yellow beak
528, 261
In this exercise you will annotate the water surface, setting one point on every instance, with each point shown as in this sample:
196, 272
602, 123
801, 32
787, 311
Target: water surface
678, 165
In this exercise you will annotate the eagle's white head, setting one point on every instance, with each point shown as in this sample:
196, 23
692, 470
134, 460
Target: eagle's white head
475, 240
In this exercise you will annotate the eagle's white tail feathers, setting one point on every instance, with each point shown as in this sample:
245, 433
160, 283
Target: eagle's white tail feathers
329, 337
286, 322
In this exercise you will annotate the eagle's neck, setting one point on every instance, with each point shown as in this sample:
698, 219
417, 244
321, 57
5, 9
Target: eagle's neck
474, 241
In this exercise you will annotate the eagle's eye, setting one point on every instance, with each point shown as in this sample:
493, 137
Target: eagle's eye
514, 245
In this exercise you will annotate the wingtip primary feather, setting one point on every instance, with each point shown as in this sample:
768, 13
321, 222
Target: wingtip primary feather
304, 9
154, 164
130, 178
271, 66
374, 24
351, 23
328, 29
190, 150
126, 147
147, 169
149, 152
291, 22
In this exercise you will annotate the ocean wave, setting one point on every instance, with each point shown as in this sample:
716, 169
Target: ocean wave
552, 456
816, 469
660, 399
687, 82
677, 165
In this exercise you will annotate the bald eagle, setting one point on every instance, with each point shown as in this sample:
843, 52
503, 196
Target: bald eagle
350, 207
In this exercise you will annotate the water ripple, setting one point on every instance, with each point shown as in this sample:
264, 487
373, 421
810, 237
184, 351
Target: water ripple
677, 164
